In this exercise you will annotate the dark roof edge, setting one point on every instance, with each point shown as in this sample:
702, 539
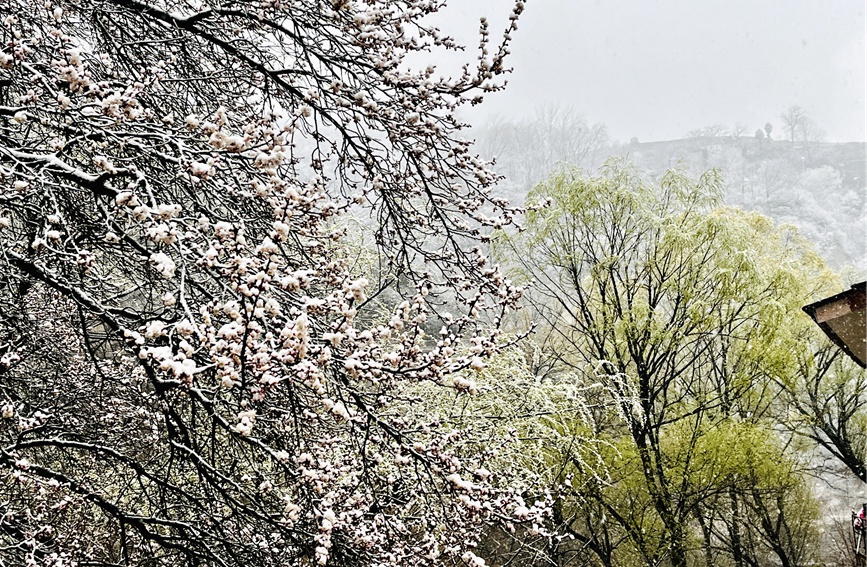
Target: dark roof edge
826, 328
811, 308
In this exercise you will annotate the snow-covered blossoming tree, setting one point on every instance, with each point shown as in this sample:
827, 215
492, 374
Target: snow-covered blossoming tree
192, 371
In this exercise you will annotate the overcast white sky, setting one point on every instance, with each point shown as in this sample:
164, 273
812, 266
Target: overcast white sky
657, 69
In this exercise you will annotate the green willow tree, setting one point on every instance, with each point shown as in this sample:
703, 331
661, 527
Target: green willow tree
826, 397
672, 306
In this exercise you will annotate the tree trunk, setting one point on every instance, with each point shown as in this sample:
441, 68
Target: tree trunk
707, 533
735, 530
676, 547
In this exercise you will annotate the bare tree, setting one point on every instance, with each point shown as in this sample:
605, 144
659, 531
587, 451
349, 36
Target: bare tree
528, 150
793, 120
827, 397
811, 132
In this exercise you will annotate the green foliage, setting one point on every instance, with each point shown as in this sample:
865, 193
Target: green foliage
683, 318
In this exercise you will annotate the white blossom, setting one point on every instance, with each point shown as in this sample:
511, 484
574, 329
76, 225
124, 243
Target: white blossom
163, 264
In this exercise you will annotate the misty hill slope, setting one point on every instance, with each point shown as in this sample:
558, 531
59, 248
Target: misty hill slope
819, 187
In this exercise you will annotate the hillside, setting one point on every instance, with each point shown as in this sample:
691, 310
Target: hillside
819, 187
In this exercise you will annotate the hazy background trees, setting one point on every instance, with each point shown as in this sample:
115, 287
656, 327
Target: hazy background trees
526, 151
816, 186
800, 126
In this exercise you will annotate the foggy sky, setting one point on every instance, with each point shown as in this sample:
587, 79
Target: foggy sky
658, 69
